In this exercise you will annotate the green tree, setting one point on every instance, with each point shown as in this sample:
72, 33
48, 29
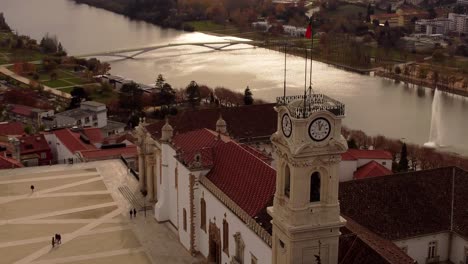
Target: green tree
248, 99
193, 93
167, 95
403, 163
130, 97
28, 130
352, 144
160, 81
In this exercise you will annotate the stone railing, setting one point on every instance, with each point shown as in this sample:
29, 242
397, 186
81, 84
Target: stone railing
246, 218
312, 103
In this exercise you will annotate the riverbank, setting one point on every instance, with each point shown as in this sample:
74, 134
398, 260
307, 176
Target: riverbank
446, 87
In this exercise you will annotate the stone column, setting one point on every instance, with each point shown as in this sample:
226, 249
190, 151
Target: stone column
150, 177
141, 168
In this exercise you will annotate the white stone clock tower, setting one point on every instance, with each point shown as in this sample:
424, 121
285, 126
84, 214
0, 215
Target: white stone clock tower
306, 211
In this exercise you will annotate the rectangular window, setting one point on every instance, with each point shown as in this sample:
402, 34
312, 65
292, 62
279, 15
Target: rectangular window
404, 249
185, 219
253, 259
86, 120
384, 163
94, 117
432, 251
43, 155
203, 214
226, 237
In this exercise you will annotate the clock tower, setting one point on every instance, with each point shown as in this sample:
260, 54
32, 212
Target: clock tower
306, 212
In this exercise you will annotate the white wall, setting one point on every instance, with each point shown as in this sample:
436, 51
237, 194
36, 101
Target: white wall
215, 209
459, 248
418, 247
347, 169
165, 209
59, 150
184, 203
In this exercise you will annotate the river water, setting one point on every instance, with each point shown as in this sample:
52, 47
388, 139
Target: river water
374, 105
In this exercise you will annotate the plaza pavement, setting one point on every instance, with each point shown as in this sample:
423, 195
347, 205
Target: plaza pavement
83, 203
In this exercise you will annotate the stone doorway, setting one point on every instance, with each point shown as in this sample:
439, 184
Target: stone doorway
214, 255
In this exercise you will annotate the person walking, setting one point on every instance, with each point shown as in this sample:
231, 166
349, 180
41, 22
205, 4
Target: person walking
134, 212
53, 242
59, 239
131, 213
32, 188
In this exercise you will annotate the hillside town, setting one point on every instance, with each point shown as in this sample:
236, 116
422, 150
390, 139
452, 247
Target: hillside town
263, 164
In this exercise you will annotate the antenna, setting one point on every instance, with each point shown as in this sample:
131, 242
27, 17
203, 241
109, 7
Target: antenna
311, 50
305, 84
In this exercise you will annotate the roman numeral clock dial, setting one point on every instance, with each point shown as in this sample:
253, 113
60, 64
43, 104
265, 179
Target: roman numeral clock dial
286, 125
319, 129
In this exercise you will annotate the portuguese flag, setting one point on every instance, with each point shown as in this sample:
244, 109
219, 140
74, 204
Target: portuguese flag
308, 33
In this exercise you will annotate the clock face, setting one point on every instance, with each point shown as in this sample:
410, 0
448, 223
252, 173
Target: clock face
286, 125
319, 129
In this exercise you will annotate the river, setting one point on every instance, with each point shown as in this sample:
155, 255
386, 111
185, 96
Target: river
374, 105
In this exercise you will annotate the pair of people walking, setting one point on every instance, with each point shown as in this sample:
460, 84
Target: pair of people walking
56, 240
132, 213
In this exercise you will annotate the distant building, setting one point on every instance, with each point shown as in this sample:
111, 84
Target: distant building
359, 164
458, 23
294, 31
28, 115
432, 26
11, 129
34, 150
89, 114
462, 2
9, 163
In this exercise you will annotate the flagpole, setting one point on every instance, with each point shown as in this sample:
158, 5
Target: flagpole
285, 52
311, 50
305, 82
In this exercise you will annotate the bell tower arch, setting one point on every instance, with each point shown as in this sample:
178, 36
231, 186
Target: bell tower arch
306, 211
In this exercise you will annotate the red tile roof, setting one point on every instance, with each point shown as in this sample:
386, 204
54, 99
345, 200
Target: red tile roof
11, 128
418, 203
371, 169
33, 144
8, 163
22, 110
197, 142
94, 134
101, 154
248, 181
356, 154
358, 245
252, 121
72, 140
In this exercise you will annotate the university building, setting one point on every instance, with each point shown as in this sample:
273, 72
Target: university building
211, 175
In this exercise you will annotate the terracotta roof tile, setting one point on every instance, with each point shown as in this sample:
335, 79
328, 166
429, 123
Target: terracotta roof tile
371, 169
72, 140
248, 181
11, 128
8, 163
419, 202
251, 121
368, 154
101, 154
94, 134
33, 144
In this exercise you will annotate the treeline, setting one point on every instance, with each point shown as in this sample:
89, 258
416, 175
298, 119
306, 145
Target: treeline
417, 157
175, 14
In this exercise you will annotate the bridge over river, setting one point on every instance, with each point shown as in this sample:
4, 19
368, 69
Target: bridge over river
218, 45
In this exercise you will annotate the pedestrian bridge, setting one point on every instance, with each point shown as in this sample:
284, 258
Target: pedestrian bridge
219, 45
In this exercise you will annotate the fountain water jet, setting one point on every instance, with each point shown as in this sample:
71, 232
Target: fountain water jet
435, 134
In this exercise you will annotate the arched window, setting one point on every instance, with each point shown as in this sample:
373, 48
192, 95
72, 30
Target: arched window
203, 214
315, 187
240, 246
185, 219
287, 181
226, 237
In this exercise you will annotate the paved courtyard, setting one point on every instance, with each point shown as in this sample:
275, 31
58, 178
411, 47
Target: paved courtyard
88, 205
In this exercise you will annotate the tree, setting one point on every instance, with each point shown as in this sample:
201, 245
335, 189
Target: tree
403, 163
398, 70
193, 93
3, 24
28, 130
130, 97
53, 76
49, 44
352, 144
248, 99
160, 81
78, 95
167, 95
